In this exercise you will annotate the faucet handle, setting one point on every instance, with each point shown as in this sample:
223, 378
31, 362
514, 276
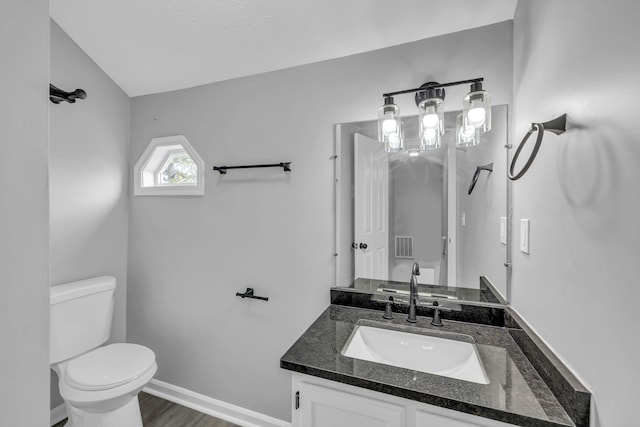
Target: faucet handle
415, 270
388, 311
437, 321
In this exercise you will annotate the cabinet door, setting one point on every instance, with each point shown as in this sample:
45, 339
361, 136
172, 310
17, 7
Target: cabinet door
328, 407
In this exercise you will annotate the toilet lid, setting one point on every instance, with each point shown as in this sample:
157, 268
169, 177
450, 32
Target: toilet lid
109, 366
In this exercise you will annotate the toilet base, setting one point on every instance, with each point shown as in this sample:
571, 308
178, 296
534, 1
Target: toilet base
125, 415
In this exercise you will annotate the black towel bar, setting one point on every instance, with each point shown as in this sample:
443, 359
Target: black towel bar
57, 95
286, 166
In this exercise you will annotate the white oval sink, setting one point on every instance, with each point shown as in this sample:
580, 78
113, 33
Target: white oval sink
439, 356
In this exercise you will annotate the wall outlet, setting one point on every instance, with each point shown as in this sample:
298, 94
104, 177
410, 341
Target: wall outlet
503, 230
524, 236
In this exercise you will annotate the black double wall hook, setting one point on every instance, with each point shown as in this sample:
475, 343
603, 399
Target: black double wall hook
557, 126
57, 95
488, 167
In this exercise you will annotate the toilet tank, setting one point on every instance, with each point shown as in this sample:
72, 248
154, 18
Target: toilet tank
80, 315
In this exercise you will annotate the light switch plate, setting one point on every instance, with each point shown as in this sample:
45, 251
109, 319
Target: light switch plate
524, 236
463, 219
503, 230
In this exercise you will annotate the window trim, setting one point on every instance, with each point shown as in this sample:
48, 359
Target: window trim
170, 144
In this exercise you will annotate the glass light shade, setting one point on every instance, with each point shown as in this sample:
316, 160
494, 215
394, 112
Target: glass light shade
389, 121
431, 122
467, 135
477, 110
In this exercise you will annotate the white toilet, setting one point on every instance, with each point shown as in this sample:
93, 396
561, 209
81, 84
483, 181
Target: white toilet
99, 385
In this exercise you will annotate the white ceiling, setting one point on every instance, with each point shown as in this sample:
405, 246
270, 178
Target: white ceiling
151, 46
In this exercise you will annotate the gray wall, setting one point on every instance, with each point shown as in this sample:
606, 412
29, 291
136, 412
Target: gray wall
24, 207
188, 256
416, 199
579, 286
88, 176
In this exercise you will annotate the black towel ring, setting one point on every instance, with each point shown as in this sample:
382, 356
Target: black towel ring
534, 127
557, 126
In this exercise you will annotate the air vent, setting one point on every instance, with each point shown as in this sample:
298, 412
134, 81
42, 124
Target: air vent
404, 246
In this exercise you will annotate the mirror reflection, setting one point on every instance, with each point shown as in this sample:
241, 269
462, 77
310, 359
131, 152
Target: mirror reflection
394, 209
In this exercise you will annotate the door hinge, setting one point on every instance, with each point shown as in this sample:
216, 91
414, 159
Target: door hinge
297, 399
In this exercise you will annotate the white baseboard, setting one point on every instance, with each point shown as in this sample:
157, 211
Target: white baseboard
58, 414
210, 406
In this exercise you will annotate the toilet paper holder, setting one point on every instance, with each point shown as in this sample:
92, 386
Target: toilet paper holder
249, 294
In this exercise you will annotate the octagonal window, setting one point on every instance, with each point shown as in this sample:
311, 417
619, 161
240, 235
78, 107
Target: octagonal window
170, 167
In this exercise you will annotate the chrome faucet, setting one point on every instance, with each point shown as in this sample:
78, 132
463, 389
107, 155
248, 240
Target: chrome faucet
413, 293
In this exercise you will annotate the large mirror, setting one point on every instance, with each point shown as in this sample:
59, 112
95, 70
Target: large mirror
445, 209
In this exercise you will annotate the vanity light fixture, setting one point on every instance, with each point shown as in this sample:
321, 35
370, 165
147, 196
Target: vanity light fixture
474, 120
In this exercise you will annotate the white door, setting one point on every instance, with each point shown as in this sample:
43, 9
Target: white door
371, 210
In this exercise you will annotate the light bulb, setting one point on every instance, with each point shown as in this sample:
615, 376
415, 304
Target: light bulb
414, 153
429, 134
389, 126
430, 120
394, 140
476, 116
467, 133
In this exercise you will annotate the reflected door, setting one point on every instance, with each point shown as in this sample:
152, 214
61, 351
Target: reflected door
371, 209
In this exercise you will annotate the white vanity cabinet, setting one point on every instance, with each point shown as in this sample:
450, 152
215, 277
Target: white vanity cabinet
322, 403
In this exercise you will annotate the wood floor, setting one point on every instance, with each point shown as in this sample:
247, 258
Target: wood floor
157, 412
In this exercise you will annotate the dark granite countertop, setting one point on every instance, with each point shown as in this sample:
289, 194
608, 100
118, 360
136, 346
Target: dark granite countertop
516, 393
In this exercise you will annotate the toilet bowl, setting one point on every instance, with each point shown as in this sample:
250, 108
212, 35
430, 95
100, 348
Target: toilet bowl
99, 384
